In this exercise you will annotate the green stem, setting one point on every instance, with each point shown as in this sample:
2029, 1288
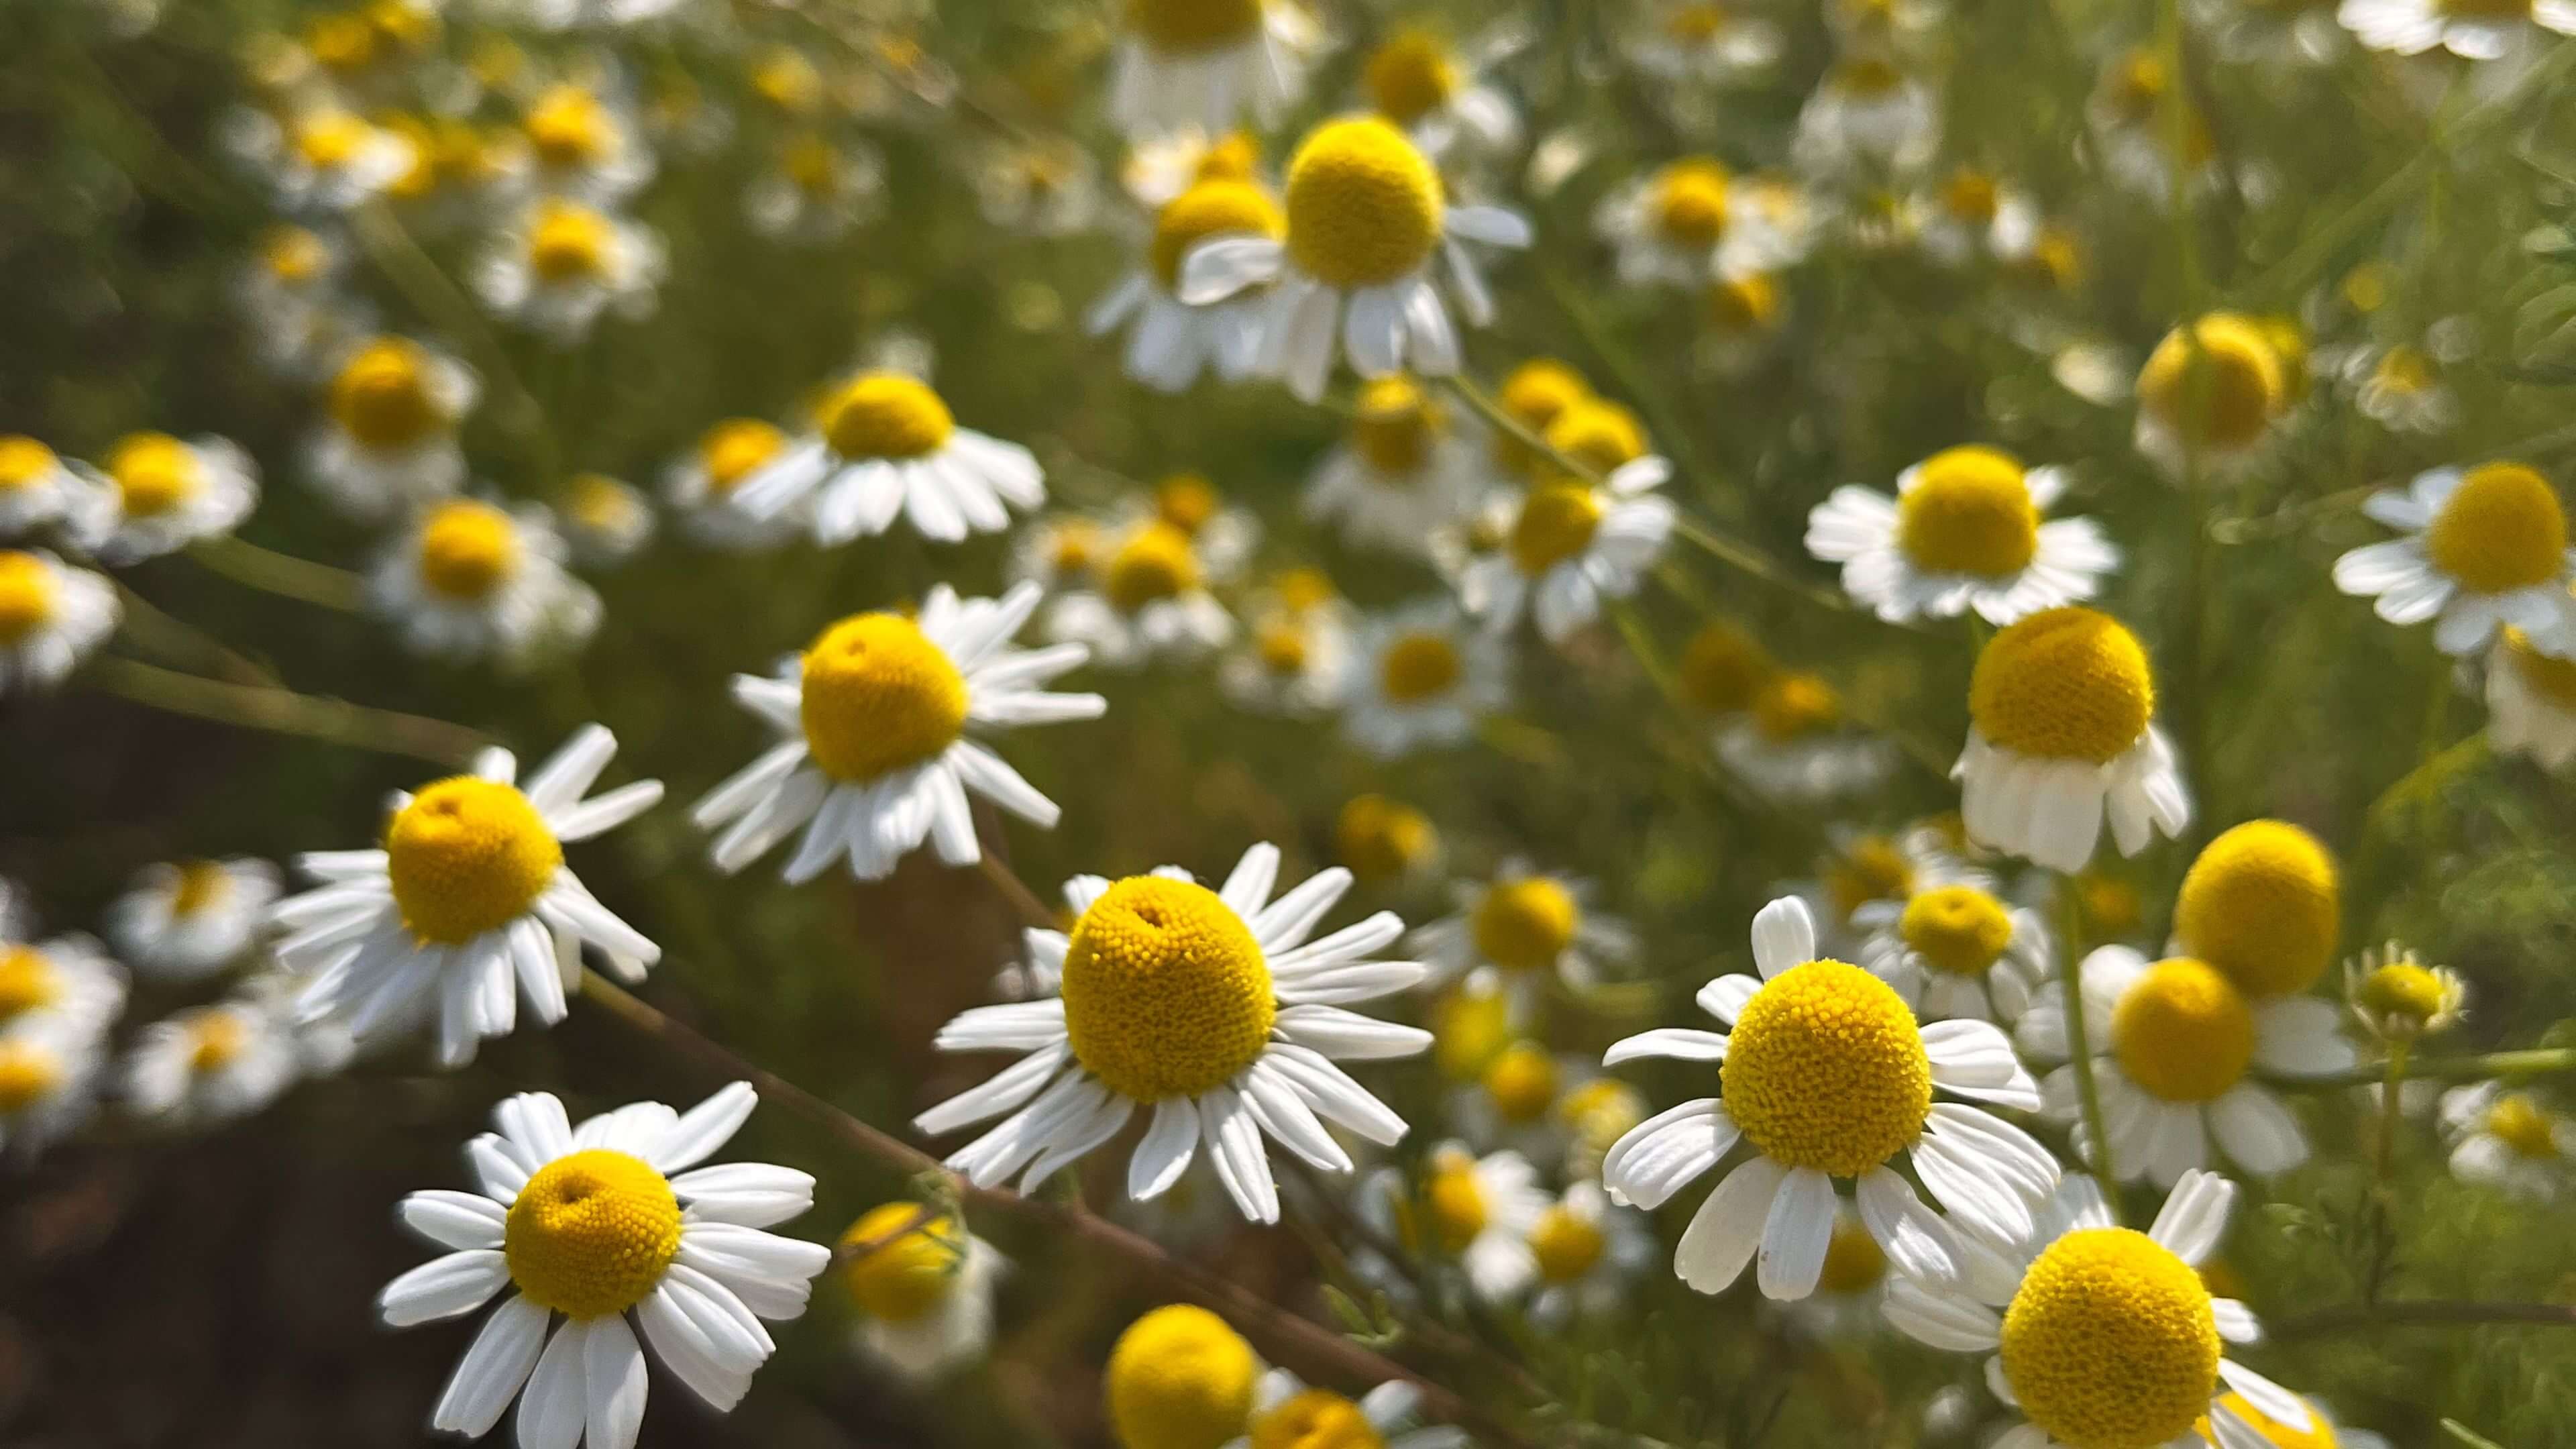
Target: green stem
281, 574
2070, 979
426, 285
2422, 1313
2532, 1062
283, 711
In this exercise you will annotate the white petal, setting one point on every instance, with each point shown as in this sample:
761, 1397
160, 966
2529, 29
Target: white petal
493, 1368
1784, 935
443, 1287
614, 1381
1727, 1229
1795, 1234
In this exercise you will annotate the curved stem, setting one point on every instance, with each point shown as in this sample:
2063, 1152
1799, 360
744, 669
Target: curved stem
281, 574
283, 711
2070, 979
2536, 1062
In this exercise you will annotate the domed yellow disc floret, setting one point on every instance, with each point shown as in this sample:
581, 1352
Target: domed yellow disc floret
569, 129
1792, 706
467, 549
1219, 206
1469, 1028
154, 473
1166, 992
1182, 27
2225, 393
1556, 522
2406, 993
1524, 924
592, 1233
905, 1276
1969, 512
468, 856
1179, 1378
28, 982
1566, 1246
1315, 1419
1598, 434
1735, 306
293, 255
885, 415
26, 595
1871, 868
29, 1072
1826, 1069
2319, 1434
1418, 666
381, 397
23, 461
1450, 1207
1365, 206
216, 1037
2518, 1122
2501, 529
200, 883
1396, 426
1971, 196
1410, 75
1959, 929
570, 243
1522, 1082
1601, 1111
2110, 1342
1154, 563
328, 140
2551, 679
2264, 904
879, 696
2182, 1032
1721, 668
1187, 501
1687, 203
735, 449
2063, 684
1854, 1262
1381, 840
1281, 647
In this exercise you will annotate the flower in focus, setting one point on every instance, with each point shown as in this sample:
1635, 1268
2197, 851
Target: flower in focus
1528, 925
2485, 549
1704, 41
164, 494
2210, 391
1403, 472
2469, 29
388, 443
604, 519
2398, 998
1179, 1378
37, 486
701, 484
1207, 63
1147, 599
212, 1064
184, 921
1298, 649
1416, 79
1794, 744
815, 190
2531, 701
470, 580
52, 617
1384, 842
1572, 542
1420, 676
562, 263
2507, 1139
1962, 532
584, 147
1285, 1411
1684, 225
923, 1287
1956, 951
884, 443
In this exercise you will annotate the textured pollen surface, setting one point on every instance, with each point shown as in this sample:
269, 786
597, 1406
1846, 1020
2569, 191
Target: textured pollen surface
2263, 904
467, 856
1969, 512
878, 696
1959, 929
26, 595
1364, 206
1418, 666
1689, 202
154, 473
1826, 1069
1180, 1379
2519, 1123
885, 415
2183, 1032
1395, 426
1524, 925
2237, 385
591, 1233
2501, 529
1166, 993
1522, 1082
27, 982
1315, 1419
1216, 207
1185, 26
2404, 990
2063, 684
2110, 1342
1556, 523
1566, 1246
381, 396
466, 549
903, 1277
1156, 562
28, 1071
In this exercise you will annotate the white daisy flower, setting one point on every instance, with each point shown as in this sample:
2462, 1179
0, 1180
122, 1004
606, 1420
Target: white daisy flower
52, 616
2211, 390
1977, 215
1957, 951
2469, 29
584, 146
1862, 866
1794, 744
561, 264
1685, 224
874, 759
1826, 1075
1266, 1023
2061, 736
212, 1064
2104, 1335
1962, 532
1285, 1411
291, 297
1148, 600
62, 987
468, 891
1059, 550
1510, 1101
1221, 534
604, 519
469, 580
1867, 114
1706, 42
1420, 677
1589, 1253
923, 1288
1208, 63
1416, 79
1850, 1300
1476, 1212
700, 485
885, 444
2173, 1045
816, 191
2531, 701
1572, 543
1045, 187
1169, 341
598, 1223
1528, 925
37, 486
49, 1080
2508, 1140
388, 443
164, 494
1368, 222
180, 922
1159, 168
2400, 388
2485, 548
1298, 656
321, 158
1179, 1378
1403, 472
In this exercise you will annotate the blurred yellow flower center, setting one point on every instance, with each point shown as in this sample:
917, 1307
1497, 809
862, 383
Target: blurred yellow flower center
2134, 85
2063, 684
2222, 394
381, 397
1959, 929
1410, 75
1695, 24
1281, 646
570, 129
1184, 26
885, 415
215, 1039
1418, 667
592, 1233
1382, 840
468, 856
2110, 1343
1179, 1378
734, 449
2412, 994
1872, 868
2519, 1123
329, 140
1396, 427
1740, 305
906, 1276
1565, 1245
1166, 993
1854, 1262
1453, 1202
1969, 512
1155, 563
1539, 389
1556, 523
878, 696
28, 982
2551, 679
2111, 906
28, 1074
598, 501
1364, 205
1791, 707
787, 80
1315, 1419
2263, 904
2182, 1032
26, 595
2319, 1434
2403, 370
570, 243
1688, 203
811, 165
154, 473
199, 884
1867, 79
1524, 924
1219, 206
24, 462
467, 549
1469, 1028
1826, 1069
1187, 502
2501, 529
1971, 196
1072, 546
1598, 434
1721, 668
1601, 1111
1522, 1082
343, 43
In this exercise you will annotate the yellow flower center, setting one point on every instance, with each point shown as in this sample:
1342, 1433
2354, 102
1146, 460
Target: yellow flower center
1872, 868
736, 448
28, 982
1854, 1262
2182, 1032
1959, 929
1166, 993
1598, 434
201, 883
1396, 427
1281, 646
29, 1073
2263, 904
1721, 668
1315, 1419
1468, 1030
1534, 393
2110, 1343
1695, 24
2552, 679
885, 415
810, 165
592, 1233
1601, 1111
1525, 924
599, 501
26, 595
1566, 1246
2055, 259
1453, 1203
2111, 905
878, 696
1182, 27
1301, 591
2518, 1122
2063, 684
570, 243
903, 1277
1364, 205
24, 461
1155, 562
342, 43
215, 1039
2318, 1435
1688, 202
1418, 667
2134, 85
2221, 395
1217, 206
329, 140
1382, 840
1972, 196
2501, 529
1187, 501
570, 129
787, 80
1969, 512
1410, 75
1826, 1069
467, 549
1179, 1378
1556, 523
1791, 707
381, 397
1868, 79
1742, 305
468, 856
154, 473
2403, 370
1522, 1082
2412, 994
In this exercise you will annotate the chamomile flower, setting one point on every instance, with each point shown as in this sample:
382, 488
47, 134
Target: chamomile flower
1975, 214
468, 891
1963, 531
323, 159
1851, 1289
2173, 1044
701, 483
388, 443
1867, 114
1208, 64
1403, 471
816, 190
1796, 745
1298, 650
584, 146
52, 616
163, 494
291, 296
604, 519
2400, 387
2105, 1336
1741, 318
37, 486
562, 263
1047, 187
1368, 222
211, 1064
2469, 29
180, 922
64, 987
2061, 736
1596, 1115
2531, 701
1684, 225
1826, 1075
1264, 1023
2263, 903
1148, 599
1588, 1252
1060, 550
1384, 842
1285, 1411
600, 1224
469, 580
1704, 41
49, 1083
1179, 1378
875, 759
2397, 998
1416, 79
923, 1287
1221, 534
1573, 543
2133, 136
1420, 676
1474, 1211
1158, 169
1860, 867
2508, 1140
1534, 394
884, 444
2485, 549
1528, 925
1956, 951
2211, 390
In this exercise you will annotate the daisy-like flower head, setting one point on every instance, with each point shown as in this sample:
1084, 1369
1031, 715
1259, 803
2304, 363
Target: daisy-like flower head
701, 484
324, 159
1180, 1378
605, 519
923, 1287
2396, 997
52, 616
1148, 600
1957, 951
2401, 388
470, 580
1528, 925
460, 170
2469, 29
63, 987
2531, 700
1867, 115
1705, 41
2105, 1337
2062, 734
1477, 1212
212, 1064
1683, 225
2264, 904
468, 891
563, 263
2173, 1045
389, 442
1865, 866
1045, 187
885, 444
290, 294
1298, 651
1207, 64
1213, 1008
584, 146
1060, 550
1286, 1412
1416, 79
815, 190
2485, 548
874, 758
1403, 473
2128, 113
1534, 394
36, 485
48, 1085
1976, 214
601, 1225
1421, 676
1588, 1250
1160, 169
1740, 317
2213, 387
1571, 542
183, 921
2508, 1139
1220, 534
1962, 532
1368, 221
163, 494
1384, 841
1825, 1074
1795, 744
